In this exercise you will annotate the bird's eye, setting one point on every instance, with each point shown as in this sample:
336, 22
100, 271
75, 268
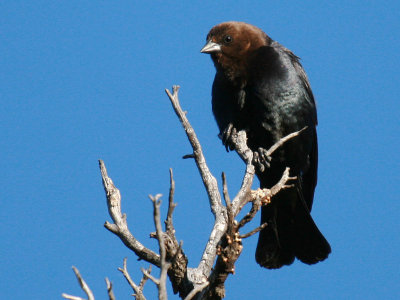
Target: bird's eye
228, 39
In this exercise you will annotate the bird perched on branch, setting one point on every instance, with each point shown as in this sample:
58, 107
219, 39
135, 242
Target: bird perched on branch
261, 87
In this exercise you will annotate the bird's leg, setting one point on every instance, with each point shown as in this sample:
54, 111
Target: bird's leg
229, 136
265, 158
261, 159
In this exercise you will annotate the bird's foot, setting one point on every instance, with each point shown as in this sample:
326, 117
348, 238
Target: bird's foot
261, 159
229, 137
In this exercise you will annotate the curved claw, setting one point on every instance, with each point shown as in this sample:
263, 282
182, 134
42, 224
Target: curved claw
232, 139
228, 136
261, 159
264, 157
257, 163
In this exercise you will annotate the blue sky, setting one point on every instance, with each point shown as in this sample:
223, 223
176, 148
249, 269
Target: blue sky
83, 80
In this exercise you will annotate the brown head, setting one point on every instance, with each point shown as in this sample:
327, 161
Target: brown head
231, 45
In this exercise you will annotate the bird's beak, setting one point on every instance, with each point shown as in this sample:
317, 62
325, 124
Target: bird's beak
211, 47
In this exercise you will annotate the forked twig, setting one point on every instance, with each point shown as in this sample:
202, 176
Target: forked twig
120, 226
83, 285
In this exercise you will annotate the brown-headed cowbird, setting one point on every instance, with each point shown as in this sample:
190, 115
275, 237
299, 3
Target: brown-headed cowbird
261, 87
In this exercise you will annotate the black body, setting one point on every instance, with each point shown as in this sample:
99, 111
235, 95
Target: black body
265, 91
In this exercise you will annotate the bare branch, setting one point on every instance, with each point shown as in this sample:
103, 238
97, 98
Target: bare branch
196, 290
151, 277
228, 251
83, 285
120, 226
261, 197
282, 183
246, 154
144, 280
137, 289
109, 290
199, 275
283, 140
243, 196
161, 283
174, 252
254, 231
203, 270
255, 207
224, 240
66, 296
178, 270
229, 211
169, 227
225, 190
230, 247
209, 180
157, 222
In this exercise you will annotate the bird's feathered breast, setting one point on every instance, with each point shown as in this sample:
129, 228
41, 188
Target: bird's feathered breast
277, 79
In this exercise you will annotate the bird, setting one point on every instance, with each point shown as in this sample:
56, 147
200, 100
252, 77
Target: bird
261, 87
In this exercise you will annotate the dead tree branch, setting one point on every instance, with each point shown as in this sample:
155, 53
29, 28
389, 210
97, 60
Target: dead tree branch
120, 226
169, 226
174, 252
199, 275
254, 231
109, 290
224, 246
83, 285
138, 289
165, 265
209, 180
231, 246
225, 238
196, 290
